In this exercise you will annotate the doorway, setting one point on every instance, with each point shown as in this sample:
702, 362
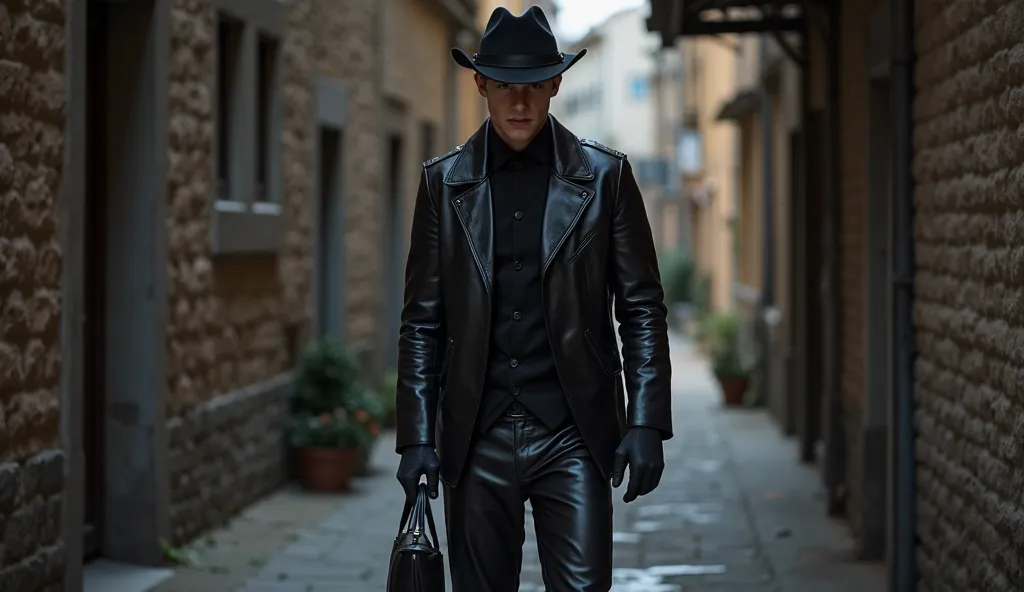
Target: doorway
95, 272
124, 486
878, 323
330, 232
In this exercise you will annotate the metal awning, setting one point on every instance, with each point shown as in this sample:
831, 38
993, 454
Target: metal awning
741, 105
674, 18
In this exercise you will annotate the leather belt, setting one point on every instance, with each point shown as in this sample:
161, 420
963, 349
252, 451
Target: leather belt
516, 409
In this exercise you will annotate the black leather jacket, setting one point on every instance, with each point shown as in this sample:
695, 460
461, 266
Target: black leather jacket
597, 247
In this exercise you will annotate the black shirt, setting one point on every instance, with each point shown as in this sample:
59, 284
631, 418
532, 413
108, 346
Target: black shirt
521, 366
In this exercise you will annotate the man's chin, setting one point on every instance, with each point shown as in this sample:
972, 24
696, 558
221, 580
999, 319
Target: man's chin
521, 133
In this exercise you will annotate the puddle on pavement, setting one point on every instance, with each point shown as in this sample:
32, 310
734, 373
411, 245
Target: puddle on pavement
704, 465
667, 516
630, 538
670, 571
651, 579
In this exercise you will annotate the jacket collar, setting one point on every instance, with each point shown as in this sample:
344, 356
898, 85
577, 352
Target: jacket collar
499, 153
471, 165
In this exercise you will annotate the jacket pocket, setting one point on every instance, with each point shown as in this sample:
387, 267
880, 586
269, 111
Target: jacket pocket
445, 361
587, 238
611, 368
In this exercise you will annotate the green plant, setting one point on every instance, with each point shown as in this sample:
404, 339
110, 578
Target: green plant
702, 293
677, 271
721, 332
388, 392
328, 378
330, 430
369, 402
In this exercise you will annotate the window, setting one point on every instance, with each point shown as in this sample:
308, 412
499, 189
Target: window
266, 86
652, 172
638, 88
689, 151
247, 167
229, 42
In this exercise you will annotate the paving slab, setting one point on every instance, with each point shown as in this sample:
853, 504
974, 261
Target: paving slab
735, 512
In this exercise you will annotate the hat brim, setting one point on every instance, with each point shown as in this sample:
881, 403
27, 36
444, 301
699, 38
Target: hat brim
517, 75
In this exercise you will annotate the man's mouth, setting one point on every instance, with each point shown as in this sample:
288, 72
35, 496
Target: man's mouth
519, 120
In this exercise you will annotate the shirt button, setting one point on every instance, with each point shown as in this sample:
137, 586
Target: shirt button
519, 215
518, 265
515, 391
514, 363
517, 315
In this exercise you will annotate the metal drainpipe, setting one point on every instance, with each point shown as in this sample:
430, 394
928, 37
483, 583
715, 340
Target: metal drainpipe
903, 518
768, 226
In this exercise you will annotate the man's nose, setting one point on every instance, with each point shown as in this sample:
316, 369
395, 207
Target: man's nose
519, 95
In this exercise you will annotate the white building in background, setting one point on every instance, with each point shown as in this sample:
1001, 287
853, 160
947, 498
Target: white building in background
628, 94
607, 96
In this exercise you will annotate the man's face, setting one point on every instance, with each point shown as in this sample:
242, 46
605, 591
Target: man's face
518, 111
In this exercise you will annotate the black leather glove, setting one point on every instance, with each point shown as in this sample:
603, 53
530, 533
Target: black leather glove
416, 462
643, 451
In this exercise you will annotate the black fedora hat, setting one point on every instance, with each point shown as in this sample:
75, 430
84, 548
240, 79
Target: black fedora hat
518, 49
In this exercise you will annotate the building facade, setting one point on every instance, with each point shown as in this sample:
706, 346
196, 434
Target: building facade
186, 204
902, 282
607, 96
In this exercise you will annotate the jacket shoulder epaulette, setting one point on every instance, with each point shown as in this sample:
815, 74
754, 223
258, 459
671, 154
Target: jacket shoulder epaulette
448, 154
603, 148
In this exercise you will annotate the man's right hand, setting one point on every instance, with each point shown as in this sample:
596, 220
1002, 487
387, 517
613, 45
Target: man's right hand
416, 462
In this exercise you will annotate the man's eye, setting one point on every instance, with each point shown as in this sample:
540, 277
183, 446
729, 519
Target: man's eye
504, 86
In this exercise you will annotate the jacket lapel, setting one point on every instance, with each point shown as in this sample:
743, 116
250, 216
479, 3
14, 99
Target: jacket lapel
472, 202
566, 199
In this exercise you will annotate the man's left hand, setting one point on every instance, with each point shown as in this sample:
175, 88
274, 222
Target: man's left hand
643, 451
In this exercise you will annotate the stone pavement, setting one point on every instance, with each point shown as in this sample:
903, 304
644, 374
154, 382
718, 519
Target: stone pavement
735, 512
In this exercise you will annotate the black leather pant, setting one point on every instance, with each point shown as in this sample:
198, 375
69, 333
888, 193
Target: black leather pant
520, 459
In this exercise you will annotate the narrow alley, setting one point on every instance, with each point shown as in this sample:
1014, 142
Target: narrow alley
734, 513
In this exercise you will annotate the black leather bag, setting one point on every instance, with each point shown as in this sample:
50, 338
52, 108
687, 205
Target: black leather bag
417, 564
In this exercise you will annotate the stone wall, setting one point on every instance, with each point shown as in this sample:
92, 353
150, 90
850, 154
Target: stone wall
347, 35
234, 322
969, 315
225, 454
32, 102
230, 318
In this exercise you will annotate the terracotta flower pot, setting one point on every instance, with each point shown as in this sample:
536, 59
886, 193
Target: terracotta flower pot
733, 389
326, 469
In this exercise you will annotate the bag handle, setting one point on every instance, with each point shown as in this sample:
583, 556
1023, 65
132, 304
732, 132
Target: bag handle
413, 516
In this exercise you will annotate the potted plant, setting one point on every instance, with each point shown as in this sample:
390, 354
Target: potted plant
368, 410
388, 397
677, 270
328, 447
325, 433
728, 364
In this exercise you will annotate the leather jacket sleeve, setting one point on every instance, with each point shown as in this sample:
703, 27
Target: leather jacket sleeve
421, 338
640, 310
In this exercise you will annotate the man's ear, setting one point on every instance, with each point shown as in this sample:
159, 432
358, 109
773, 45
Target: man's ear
481, 84
555, 83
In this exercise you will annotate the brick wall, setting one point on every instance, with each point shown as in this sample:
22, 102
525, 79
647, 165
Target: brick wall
32, 102
970, 323
232, 320
853, 170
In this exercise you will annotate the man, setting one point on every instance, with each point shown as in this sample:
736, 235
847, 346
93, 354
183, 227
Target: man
521, 238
